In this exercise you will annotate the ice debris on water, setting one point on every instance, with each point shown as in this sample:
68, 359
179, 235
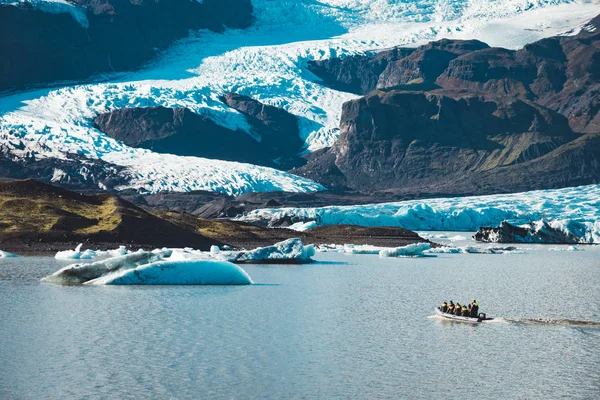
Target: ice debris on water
89, 254
151, 268
174, 266
417, 250
6, 254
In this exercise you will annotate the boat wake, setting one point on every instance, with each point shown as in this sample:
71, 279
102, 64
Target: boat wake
535, 322
549, 322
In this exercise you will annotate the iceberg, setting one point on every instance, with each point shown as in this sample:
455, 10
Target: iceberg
151, 268
188, 272
412, 250
6, 254
76, 274
288, 251
89, 254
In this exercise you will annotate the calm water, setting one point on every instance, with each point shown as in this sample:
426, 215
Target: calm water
348, 327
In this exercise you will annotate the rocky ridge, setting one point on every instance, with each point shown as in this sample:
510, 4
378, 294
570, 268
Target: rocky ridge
119, 35
459, 117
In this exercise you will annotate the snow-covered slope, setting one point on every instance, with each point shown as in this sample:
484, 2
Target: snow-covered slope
579, 206
266, 62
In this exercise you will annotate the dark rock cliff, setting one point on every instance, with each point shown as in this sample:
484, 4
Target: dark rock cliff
182, 132
459, 117
39, 47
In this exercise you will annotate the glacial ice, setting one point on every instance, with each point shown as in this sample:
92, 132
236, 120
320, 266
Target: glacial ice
412, 250
151, 268
6, 254
188, 272
417, 250
287, 251
89, 254
174, 266
266, 62
573, 210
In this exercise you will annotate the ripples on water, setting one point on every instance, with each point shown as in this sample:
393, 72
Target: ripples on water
348, 327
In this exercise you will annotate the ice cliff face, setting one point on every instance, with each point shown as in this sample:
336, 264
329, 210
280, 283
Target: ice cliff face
266, 62
572, 211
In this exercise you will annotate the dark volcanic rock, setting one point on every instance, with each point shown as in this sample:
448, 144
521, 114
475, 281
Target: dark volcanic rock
75, 172
426, 62
277, 128
121, 35
182, 132
414, 142
538, 232
459, 117
356, 74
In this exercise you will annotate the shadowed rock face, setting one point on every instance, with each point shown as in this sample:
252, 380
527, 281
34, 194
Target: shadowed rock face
459, 117
277, 128
182, 132
121, 35
356, 74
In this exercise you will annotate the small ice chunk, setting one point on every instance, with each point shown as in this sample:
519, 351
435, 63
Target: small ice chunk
6, 254
412, 250
214, 249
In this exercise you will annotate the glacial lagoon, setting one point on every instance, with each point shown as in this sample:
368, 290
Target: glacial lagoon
346, 326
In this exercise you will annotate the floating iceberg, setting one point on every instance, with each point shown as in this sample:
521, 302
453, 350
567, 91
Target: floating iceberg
89, 254
412, 250
188, 272
288, 251
6, 254
151, 268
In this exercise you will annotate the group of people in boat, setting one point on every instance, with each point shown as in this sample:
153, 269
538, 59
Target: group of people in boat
472, 310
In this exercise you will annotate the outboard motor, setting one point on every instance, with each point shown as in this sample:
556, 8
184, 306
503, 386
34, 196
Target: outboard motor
481, 317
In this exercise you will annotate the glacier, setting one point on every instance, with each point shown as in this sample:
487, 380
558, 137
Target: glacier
574, 210
266, 62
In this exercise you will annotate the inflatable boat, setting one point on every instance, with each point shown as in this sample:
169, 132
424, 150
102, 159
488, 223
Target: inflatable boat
480, 318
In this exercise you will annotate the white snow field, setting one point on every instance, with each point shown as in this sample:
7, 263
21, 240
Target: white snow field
572, 210
151, 268
267, 62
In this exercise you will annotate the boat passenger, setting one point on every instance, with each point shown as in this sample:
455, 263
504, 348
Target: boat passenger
450, 309
457, 309
465, 311
444, 307
474, 309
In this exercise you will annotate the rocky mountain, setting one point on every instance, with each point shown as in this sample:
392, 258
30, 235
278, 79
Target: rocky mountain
460, 117
107, 36
179, 131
